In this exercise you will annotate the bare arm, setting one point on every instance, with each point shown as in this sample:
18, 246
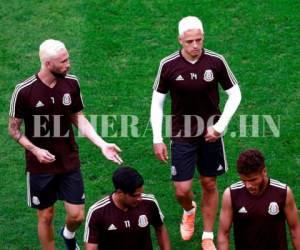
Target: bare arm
109, 150
225, 221
163, 237
91, 246
291, 214
14, 125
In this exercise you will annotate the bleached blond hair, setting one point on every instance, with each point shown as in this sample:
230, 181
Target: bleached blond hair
49, 49
189, 23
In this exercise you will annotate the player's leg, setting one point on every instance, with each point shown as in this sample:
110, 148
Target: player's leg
184, 156
211, 163
74, 215
184, 193
71, 191
45, 228
41, 194
182, 170
209, 202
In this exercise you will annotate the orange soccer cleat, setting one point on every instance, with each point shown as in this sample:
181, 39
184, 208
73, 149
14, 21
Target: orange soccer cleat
188, 224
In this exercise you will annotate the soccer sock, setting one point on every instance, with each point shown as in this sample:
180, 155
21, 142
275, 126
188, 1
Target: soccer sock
68, 234
207, 235
189, 212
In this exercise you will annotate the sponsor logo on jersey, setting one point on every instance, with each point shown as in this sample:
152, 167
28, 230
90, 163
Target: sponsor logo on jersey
273, 208
67, 99
111, 227
173, 170
143, 221
220, 168
179, 78
35, 200
39, 104
243, 210
208, 75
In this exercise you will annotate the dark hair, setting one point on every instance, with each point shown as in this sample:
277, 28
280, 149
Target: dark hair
127, 179
250, 161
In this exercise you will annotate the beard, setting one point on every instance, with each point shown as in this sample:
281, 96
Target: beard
58, 74
261, 188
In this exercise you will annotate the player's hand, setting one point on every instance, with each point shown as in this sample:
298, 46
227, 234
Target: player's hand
110, 151
43, 155
161, 151
211, 135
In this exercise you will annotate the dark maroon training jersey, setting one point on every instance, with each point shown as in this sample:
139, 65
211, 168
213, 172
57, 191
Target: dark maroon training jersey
47, 117
114, 229
259, 222
194, 90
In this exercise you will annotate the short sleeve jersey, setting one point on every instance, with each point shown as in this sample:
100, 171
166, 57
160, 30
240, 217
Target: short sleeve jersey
47, 117
114, 229
193, 88
259, 222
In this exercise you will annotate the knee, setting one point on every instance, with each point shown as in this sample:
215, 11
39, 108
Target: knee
77, 216
45, 217
182, 193
209, 185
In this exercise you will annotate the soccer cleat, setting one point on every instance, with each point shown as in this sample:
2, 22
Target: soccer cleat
71, 244
208, 244
188, 224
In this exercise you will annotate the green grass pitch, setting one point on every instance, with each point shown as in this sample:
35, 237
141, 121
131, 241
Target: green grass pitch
115, 48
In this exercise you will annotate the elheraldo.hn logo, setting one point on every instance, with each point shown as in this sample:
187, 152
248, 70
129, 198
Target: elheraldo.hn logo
133, 126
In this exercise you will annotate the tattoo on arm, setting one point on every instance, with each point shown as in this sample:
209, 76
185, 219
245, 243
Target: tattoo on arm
14, 128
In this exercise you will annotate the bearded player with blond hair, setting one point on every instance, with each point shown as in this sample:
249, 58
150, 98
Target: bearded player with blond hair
49, 103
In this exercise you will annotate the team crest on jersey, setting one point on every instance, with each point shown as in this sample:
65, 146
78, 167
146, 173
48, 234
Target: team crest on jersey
35, 200
67, 99
208, 75
143, 221
273, 208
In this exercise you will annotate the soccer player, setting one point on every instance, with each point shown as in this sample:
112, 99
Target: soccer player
258, 207
49, 102
192, 76
121, 221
